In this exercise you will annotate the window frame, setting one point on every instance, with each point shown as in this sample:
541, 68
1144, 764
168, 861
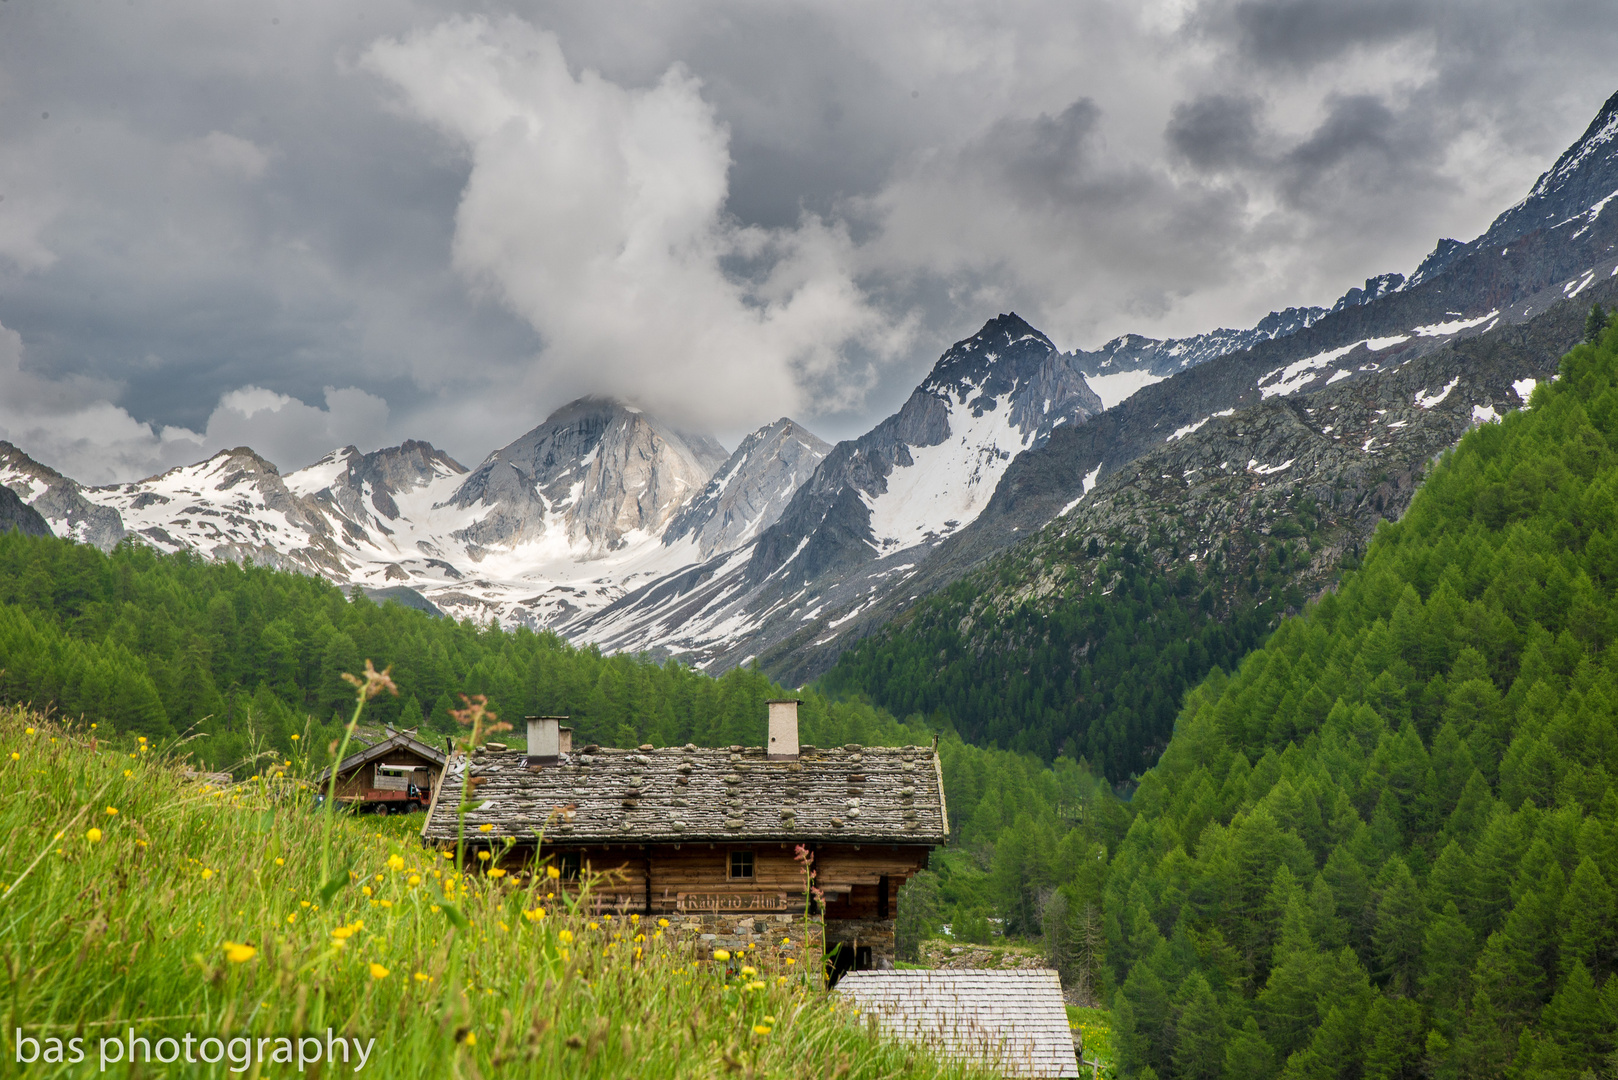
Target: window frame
730, 865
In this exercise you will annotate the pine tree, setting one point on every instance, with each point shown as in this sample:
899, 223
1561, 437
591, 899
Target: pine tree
1199, 1046
1576, 1021
1589, 922
1594, 323
1399, 923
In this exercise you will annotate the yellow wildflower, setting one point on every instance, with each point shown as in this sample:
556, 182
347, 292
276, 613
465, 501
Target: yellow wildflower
366, 889
415, 879
552, 872
748, 969
28, 731
534, 915
635, 919
785, 942
206, 873
485, 827
239, 954
18, 757
449, 854
565, 937
295, 738
664, 923
303, 903
760, 1029
292, 917
280, 862
387, 903
378, 971
483, 856
127, 772
497, 873
419, 977
721, 954
142, 738
395, 862
471, 1038
94, 836
595, 926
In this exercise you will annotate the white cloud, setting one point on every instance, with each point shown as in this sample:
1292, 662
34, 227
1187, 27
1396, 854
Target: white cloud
73, 426
596, 212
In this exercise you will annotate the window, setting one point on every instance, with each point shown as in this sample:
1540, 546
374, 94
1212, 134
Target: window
568, 864
741, 865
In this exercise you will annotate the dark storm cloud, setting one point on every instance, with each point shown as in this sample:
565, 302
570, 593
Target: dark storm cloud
1300, 33
1361, 146
227, 197
1216, 131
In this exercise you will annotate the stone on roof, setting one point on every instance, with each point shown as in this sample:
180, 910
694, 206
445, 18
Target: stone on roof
1015, 1020
855, 793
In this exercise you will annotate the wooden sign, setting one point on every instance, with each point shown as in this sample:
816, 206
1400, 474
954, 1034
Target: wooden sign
733, 902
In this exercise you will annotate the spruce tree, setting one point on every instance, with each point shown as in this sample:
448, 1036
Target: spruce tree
1594, 323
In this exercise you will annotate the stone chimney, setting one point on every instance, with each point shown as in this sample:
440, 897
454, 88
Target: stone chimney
545, 737
565, 738
783, 742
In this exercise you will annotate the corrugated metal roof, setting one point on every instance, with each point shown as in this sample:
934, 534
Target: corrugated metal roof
1013, 1019
854, 793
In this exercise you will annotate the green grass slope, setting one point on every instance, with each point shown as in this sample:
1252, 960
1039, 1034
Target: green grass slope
1388, 845
134, 902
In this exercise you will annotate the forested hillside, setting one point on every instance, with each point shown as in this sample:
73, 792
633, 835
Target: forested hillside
1386, 846
160, 646
1099, 676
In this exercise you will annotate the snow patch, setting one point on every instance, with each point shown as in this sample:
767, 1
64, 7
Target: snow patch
1427, 400
1525, 388
1484, 414
1290, 379
1454, 326
1180, 433
1119, 386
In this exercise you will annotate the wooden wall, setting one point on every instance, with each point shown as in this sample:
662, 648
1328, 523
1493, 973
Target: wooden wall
665, 879
357, 781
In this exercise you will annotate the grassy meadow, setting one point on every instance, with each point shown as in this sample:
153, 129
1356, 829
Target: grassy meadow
132, 899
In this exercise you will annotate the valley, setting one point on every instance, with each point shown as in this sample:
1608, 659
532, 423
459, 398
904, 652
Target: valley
1271, 673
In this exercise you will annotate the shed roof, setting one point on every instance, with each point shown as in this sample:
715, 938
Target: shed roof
853, 793
1013, 1019
398, 741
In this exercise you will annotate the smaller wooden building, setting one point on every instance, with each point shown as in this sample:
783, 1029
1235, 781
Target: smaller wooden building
386, 775
1015, 1021
719, 840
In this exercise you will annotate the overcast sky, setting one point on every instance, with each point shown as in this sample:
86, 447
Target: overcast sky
297, 224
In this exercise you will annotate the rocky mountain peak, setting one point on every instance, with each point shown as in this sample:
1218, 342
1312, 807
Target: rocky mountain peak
595, 471
749, 492
1579, 184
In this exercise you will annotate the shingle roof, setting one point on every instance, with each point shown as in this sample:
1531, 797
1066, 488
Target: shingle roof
398, 741
892, 794
1013, 1019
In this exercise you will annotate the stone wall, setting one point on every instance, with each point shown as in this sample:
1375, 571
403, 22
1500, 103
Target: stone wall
760, 934
876, 933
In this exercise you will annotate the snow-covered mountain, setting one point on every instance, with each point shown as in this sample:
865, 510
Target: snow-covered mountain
750, 490
562, 521
874, 506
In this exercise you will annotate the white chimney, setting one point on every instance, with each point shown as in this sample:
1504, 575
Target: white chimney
545, 736
783, 730
566, 739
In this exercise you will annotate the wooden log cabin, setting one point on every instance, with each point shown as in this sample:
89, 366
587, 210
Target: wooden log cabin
710, 837
383, 777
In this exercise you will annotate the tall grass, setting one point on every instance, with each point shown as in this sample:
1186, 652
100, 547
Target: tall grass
192, 909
